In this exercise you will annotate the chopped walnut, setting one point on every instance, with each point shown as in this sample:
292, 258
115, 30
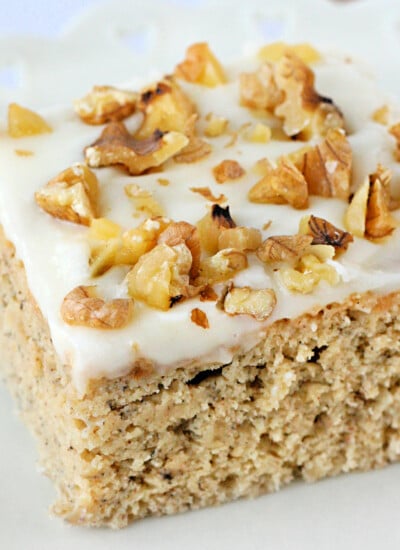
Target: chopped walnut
196, 150
211, 226
222, 266
216, 125
117, 146
284, 184
276, 50
201, 66
106, 104
256, 303
304, 111
143, 200
325, 233
183, 232
368, 214
82, 307
283, 248
72, 195
395, 132
246, 239
161, 277
259, 133
208, 294
228, 170
166, 108
259, 90
208, 195
164, 182
198, 317
327, 166
308, 273
23, 122
382, 115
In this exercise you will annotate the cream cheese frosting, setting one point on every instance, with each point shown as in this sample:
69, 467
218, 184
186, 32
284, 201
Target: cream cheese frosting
55, 253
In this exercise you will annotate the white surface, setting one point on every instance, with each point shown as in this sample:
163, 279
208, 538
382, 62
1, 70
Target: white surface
350, 512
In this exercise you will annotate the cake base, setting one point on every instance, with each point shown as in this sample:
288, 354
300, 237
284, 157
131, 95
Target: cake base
320, 395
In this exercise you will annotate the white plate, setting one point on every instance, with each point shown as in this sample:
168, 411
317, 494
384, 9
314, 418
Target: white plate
349, 512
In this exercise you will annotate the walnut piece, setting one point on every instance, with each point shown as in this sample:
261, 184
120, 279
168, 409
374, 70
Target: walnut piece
276, 50
208, 194
201, 66
327, 166
198, 317
246, 239
183, 232
211, 226
283, 248
284, 184
228, 170
72, 195
161, 277
23, 122
325, 233
143, 200
395, 132
224, 265
196, 150
216, 125
308, 273
381, 115
208, 294
256, 303
117, 146
304, 112
82, 307
258, 133
259, 90
106, 104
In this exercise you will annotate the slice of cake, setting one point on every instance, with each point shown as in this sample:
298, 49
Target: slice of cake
200, 283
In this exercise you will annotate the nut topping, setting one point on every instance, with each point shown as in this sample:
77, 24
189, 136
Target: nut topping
23, 122
395, 132
82, 307
208, 195
198, 317
283, 248
284, 184
183, 232
71, 196
256, 303
201, 66
259, 90
228, 170
276, 50
325, 233
222, 266
211, 226
117, 146
106, 104
246, 239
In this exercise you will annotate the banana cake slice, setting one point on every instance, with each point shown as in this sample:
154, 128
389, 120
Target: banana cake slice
200, 282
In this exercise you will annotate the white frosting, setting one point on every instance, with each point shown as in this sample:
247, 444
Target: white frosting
55, 253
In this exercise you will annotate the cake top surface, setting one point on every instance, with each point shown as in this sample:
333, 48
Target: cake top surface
173, 224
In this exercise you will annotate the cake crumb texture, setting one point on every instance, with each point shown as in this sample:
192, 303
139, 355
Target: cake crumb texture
320, 395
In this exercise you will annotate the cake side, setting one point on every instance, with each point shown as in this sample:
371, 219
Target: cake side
318, 396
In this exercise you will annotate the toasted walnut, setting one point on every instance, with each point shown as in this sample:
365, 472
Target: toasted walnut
247, 301
222, 266
259, 90
198, 317
276, 50
246, 239
327, 166
161, 277
216, 125
308, 273
23, 122
382, 115
166, 108
208, 294
228, 170
283, 248
110, 246
211, 226
117, 146
395, 132
143, 200
304, 111
196, 150
259, 133
283, 184
368, 214
106, 104
379, 222
82, 307
71, 196
201, 66
208, 194
183, 232
325, 233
